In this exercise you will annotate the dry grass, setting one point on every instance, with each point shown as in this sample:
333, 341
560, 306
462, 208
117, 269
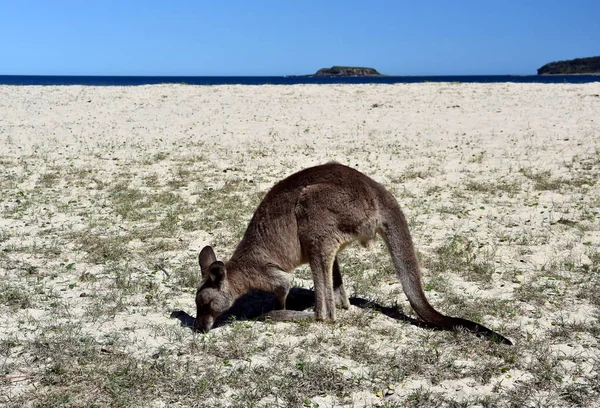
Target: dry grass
96, 253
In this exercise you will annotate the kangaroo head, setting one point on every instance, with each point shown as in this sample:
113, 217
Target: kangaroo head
212, 298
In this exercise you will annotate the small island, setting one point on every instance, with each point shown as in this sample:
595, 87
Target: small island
575, 66
347, 71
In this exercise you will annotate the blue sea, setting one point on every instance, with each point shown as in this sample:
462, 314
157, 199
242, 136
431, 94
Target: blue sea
285, 80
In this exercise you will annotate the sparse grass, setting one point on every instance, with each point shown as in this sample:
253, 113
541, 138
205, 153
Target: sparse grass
99, 245
81, 375
412, 173
102, 248
15, 297
498, 187
465, 257
187, 275
543, 180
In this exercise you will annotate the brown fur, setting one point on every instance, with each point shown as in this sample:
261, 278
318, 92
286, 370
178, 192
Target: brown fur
308, 218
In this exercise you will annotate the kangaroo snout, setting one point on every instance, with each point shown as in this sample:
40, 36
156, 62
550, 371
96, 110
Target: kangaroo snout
203, 325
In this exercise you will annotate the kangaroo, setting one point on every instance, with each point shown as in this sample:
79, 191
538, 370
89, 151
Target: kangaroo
309, 217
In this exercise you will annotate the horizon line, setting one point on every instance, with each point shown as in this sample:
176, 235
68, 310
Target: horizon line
255, 76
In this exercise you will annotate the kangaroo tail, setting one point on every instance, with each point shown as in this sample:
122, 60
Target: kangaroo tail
394, 231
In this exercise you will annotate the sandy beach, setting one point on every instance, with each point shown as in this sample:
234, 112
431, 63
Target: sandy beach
108, 193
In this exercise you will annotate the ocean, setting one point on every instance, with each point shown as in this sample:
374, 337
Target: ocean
285, 80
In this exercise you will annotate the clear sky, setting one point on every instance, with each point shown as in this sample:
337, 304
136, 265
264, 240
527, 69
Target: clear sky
282, 37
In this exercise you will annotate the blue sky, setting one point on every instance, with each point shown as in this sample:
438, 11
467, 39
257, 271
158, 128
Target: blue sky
280, 37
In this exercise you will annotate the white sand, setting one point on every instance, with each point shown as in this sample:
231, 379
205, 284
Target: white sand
424, 141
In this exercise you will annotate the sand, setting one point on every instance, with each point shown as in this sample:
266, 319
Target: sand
507, 173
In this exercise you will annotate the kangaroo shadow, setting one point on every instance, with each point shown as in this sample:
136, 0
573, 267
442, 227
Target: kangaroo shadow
260, 305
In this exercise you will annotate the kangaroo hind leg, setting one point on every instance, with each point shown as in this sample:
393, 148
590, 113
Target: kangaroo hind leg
322, 270
325, 222
339, 291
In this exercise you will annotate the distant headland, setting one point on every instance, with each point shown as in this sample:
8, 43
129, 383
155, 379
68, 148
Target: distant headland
347, 71
580, 66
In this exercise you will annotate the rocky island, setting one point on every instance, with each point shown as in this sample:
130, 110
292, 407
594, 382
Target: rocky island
580, 66
347, 71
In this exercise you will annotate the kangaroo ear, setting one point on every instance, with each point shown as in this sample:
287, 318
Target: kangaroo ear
217, 273
205, 259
